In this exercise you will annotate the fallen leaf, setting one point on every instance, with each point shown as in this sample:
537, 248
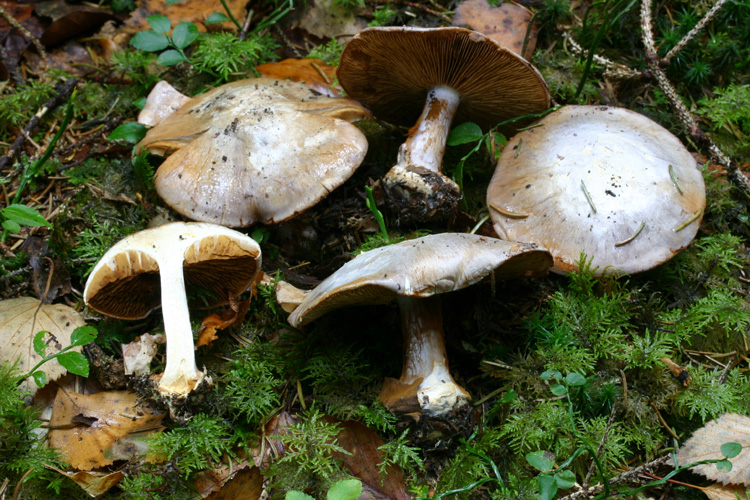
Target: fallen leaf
327, 19
219, 321
93, 483
230, 481
705, 444
70, 20
19, 328
720, 492
312, 72
137, 355
362, 442
506, 24
195, 11
87, 429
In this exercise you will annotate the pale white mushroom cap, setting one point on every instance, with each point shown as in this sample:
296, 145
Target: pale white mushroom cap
257, 150
421, 267
124, 283
623, 160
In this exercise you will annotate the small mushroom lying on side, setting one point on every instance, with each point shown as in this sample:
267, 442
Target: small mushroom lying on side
256, 150
604, 181
434, 77
154, 265
413, 272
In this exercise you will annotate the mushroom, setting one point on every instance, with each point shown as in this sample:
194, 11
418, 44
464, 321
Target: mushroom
235, 149
435, 76
132, 276
413, 272
604, 181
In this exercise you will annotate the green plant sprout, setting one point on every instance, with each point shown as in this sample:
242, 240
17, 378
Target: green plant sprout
346, 489
157, 39
73, 361
376, 213
399, 454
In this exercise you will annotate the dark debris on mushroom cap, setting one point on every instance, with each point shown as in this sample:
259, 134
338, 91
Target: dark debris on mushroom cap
390, 70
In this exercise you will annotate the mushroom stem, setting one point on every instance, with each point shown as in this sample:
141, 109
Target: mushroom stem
425, 357
416, 183
180, 374
426, 143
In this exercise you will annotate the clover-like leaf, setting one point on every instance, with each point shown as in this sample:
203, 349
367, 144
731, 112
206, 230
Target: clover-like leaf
540, 460
160, 23
149, 41
170, 58
184, 34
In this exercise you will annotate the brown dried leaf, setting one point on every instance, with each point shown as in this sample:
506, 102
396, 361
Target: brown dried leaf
220, 321
720, 492
327, 19
93, 483
312, 72
87, 429
705, 444
230, 482
137, 355
506, 24
71, 20
18, 328
362, 442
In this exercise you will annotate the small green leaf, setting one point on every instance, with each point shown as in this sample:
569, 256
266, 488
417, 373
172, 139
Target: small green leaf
550, 374
731, 450
25, 216
565, 479
131, 132
216, 17
75, 362
172, 2
575, 379
160, 23
559, 390
509, 396
11, 226
40, 346
140, 102
149, 41
170, 58
466, 132
724, 465
259, 234
349, 489
540, 460
297, 495
83, 335
184, 34
547, 486
40, 378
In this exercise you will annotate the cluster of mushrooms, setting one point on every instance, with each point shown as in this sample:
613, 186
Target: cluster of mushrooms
602, 181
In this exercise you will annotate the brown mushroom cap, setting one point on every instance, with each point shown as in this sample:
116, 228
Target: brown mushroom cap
605, 181
257, 150
421, 267
391, 69
125, 283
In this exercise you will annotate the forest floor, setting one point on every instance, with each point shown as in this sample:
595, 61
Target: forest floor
582, 385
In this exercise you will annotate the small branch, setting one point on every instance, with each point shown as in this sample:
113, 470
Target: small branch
691, 34
626, 477
34, 40
734, 174
62, 92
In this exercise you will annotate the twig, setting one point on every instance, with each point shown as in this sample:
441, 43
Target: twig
734, 174
691, 34
611, 68
62, 92
627, 476
34, 40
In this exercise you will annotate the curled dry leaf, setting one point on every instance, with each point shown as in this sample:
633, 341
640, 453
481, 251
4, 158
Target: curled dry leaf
95, 430
720, 492
507, 23
705, 444
93, 483
19, 326
221, 320
312, 72
230, 482
137, 355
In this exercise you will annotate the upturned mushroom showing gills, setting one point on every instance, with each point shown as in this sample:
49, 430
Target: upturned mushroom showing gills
433, 77
154, 265
256, 150
602, 181
413, 272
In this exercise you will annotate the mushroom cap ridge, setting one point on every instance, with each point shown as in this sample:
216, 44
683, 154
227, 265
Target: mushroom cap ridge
124, 283
390, 70
624, 160
257, 150
420, 267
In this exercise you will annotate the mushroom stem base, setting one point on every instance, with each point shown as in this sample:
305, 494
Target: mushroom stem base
417, 194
